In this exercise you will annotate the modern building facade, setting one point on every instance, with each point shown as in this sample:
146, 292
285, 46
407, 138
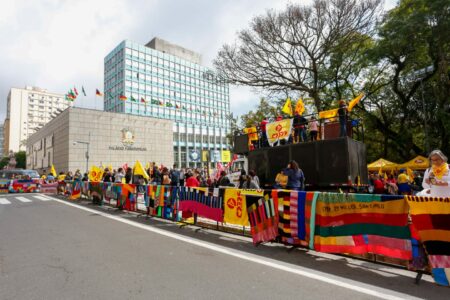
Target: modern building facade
114, 139
166, 81
28, 109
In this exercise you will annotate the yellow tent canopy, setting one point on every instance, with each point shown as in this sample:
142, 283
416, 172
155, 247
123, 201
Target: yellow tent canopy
418, 163
383, 164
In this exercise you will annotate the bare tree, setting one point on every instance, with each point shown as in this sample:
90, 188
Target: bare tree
308, 49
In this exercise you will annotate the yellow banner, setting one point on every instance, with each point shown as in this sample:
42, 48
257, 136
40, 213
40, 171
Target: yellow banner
252, 134
326, 114
252, 192
226, 156
235, 208
95, 174
205, 155
280, 130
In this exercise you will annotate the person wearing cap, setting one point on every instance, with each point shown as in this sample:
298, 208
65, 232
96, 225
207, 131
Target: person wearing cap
403, 182
342, 112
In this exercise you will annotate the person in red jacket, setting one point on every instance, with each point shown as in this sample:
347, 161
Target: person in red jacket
378, 185
192, 181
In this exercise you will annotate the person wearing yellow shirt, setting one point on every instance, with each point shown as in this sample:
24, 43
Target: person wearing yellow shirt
403, 181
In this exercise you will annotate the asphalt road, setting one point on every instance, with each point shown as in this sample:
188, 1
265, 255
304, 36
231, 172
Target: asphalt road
59, 250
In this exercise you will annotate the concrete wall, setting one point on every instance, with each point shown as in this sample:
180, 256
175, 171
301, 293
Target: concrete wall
153, 139
50, 145
165, 46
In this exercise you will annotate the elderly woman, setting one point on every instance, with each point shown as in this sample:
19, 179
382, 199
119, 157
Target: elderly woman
436, 181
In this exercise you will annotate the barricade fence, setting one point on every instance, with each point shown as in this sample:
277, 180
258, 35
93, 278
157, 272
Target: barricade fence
412, 231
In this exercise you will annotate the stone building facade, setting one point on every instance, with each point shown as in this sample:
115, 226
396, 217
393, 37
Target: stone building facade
114, 139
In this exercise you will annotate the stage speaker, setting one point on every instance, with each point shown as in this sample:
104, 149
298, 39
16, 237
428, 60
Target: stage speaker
240, 144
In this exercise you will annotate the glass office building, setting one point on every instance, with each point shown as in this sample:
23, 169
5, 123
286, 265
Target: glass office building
166, 81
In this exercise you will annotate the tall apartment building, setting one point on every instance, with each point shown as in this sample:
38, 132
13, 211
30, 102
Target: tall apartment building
166, 81
28, 109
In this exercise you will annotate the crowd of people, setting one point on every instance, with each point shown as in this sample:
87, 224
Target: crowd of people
160, 175
433, 182
304, 129
291, 177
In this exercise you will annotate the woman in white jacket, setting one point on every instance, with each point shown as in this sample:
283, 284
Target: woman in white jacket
436, 181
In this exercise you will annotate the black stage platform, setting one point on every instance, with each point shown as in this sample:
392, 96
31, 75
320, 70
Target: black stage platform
325, 163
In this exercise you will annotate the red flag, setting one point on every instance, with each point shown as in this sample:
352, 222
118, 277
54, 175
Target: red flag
123, 97
220, 168
143, 100
97, 92
75, 90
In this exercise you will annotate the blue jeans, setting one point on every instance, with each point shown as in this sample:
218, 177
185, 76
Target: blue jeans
343, 127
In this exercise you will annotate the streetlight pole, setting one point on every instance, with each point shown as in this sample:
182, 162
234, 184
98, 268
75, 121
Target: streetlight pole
87, 150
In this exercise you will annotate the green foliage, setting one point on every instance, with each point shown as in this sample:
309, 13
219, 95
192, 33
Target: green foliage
401, 63
4, 162
263, 110
21, 160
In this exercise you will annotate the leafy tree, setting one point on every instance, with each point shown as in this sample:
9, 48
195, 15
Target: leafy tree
4, 162
411, 98
21, 159
264, 110
316, 49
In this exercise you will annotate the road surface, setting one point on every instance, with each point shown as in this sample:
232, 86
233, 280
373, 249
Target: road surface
55, 249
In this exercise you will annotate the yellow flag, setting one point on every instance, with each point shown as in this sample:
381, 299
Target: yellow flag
95, 174
355, 101
235, 208
385, 176
139, 170
327, 114
300, 107
380, 172
287, 108
53, 171
410, 174
110, 167
147, 166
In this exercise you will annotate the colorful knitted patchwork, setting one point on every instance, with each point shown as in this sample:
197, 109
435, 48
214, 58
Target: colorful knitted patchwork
200, 202
359, 224
264, 217
431, 219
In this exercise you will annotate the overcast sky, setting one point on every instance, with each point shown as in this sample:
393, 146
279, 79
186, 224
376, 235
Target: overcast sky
58, 44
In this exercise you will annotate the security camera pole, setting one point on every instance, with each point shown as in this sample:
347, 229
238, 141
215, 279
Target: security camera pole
87, 150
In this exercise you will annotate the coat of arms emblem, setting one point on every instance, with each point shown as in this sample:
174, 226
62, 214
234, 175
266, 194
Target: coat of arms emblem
127, 137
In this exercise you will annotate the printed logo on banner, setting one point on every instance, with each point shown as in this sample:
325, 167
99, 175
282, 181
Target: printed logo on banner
235, 208
280, 130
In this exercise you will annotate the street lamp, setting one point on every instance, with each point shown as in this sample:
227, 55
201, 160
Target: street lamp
87, 150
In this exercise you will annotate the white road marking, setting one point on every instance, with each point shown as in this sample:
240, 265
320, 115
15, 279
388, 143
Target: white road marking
4, 201
23, 199
42, 198
305, 272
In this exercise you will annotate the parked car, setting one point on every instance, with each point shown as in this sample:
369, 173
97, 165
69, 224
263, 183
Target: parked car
18, 174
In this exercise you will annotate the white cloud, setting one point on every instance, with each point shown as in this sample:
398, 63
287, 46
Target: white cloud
56, 44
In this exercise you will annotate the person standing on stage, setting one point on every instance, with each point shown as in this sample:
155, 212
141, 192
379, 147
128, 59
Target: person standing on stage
313, 128
342, 112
